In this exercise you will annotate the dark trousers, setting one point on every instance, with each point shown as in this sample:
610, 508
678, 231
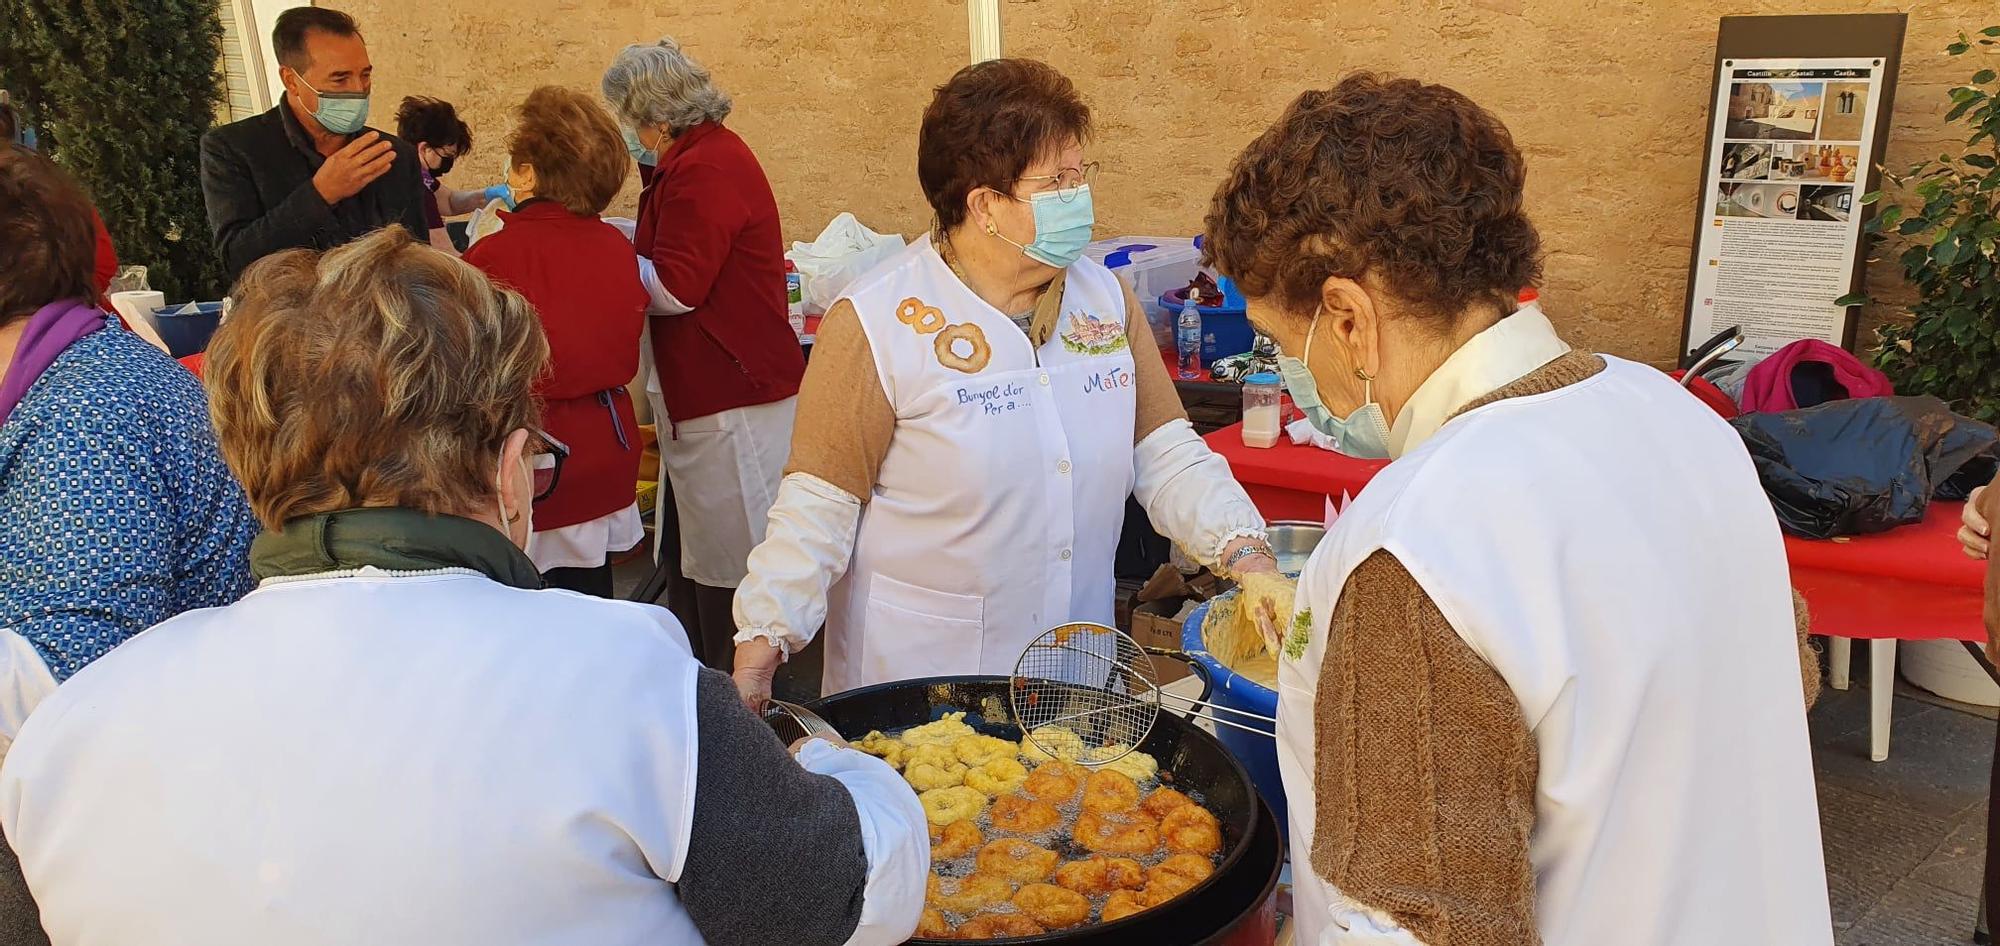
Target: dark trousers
20, 922
588, 581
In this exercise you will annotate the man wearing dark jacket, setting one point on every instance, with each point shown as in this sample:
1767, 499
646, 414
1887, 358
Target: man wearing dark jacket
309, 173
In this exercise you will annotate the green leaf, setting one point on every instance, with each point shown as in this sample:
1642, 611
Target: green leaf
1890, 215
1871, 197
1980, 161
1914, 225
1853, 298
1982, 77
1943, 250
1990, 31
1959, 109
1957, 48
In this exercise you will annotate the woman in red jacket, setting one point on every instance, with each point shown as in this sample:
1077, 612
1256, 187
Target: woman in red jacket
725, 357
568, 162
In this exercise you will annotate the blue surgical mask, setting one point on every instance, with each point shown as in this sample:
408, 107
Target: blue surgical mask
1363, 434
1063, 224
342, 113
638, 149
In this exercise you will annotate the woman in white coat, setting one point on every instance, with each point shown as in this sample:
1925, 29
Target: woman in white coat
976, 412
1543, 684
397, 738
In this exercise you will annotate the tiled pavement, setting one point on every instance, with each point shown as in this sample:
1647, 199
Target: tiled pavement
1906, 838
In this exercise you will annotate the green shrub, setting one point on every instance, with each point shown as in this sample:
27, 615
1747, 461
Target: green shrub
1949, 346
121, 92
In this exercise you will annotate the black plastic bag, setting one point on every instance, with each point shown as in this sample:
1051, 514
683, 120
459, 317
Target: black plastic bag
1853, 467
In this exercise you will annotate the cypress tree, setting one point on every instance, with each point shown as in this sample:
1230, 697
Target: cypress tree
121, 92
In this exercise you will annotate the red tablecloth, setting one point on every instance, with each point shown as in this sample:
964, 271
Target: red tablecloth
1291, 482
1911, 583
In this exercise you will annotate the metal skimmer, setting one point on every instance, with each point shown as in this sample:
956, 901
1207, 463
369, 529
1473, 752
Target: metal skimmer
1088, 693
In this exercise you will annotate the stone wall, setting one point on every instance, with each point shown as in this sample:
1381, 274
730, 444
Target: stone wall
1608, 99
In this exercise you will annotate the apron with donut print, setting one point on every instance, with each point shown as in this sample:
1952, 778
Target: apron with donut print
998, 506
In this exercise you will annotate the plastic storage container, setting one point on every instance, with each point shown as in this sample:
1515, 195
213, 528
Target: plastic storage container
1225, 327
1151, 266
187, 333
1262, 415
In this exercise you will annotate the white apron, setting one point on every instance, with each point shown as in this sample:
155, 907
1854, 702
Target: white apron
724, 469
1607, 549
997, 510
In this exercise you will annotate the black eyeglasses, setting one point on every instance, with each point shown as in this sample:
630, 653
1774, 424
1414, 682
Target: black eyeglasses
547, 463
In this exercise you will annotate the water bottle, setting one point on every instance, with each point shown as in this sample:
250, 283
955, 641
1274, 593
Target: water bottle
1187, 340
795, 305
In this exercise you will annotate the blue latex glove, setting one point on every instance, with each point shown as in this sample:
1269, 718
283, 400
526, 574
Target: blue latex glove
500, 191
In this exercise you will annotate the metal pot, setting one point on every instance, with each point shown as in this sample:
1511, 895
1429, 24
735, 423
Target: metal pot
1294, 541
1220, 910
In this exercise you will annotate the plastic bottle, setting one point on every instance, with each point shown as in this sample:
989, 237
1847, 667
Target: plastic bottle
1187, 339
1261, 410
795, 299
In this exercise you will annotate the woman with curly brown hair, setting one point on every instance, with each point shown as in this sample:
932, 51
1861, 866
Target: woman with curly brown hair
1542, 684
976, 413
566, 162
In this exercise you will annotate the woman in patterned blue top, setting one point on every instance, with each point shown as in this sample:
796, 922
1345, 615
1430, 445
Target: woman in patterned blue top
116, 511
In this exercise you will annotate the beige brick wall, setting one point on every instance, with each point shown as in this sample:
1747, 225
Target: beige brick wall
1607, 99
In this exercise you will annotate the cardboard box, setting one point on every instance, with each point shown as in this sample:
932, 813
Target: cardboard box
1158, 624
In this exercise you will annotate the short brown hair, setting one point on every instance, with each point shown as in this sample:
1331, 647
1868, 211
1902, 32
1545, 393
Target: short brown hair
382, 373
1408, 182
579, 157
48, 235
985, 126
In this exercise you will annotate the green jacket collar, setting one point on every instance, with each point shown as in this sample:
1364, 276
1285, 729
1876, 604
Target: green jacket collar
389, 539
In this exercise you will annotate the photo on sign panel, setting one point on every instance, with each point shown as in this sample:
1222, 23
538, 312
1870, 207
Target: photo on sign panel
1785, 111
1830, 203
1746, 161
1846, 111
1768, 201
1815, 163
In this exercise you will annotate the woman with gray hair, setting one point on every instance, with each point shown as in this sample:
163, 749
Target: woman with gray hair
726, 364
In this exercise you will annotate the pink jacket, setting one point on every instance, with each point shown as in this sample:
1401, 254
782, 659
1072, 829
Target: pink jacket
1769, 386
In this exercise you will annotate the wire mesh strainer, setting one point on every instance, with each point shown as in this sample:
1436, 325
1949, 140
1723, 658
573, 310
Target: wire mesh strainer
1088, 693
1085, 693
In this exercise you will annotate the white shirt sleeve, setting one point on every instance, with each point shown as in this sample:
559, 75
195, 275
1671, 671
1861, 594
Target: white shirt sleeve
1190, 494
894, 834
808, 543
663, 302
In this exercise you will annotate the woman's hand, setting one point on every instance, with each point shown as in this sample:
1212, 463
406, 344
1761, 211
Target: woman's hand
1975, 531
756, 666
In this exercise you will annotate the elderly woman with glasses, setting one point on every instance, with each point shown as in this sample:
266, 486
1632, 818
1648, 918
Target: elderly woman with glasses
398, 737
977, 412
1542, 683
726, 363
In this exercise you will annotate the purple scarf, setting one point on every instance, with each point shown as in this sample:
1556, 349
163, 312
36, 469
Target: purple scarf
51, 330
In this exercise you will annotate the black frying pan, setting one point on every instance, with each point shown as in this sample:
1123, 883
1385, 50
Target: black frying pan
1190, 760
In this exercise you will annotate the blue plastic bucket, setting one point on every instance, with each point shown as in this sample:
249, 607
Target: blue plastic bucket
1225, 328
187, 334
1258, 754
